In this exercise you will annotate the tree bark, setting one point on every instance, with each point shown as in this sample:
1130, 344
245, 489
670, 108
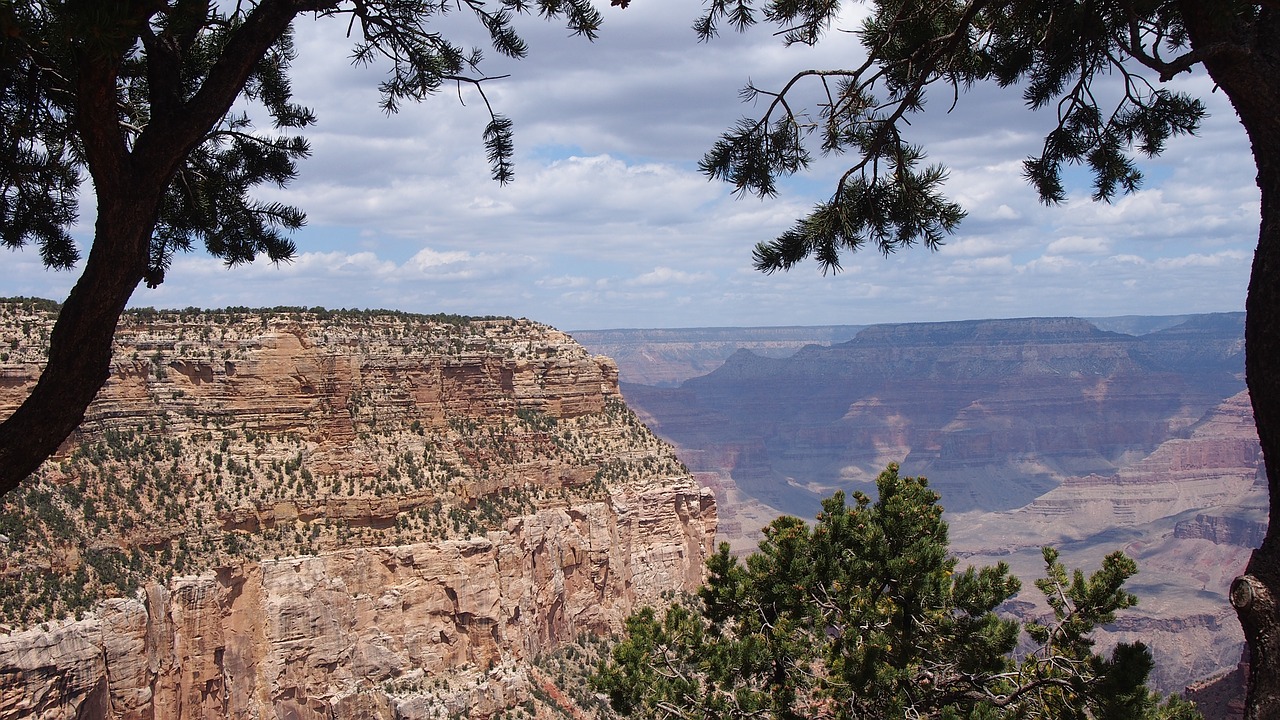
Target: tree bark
1249, 73
80, 344
1255, 594
130, 184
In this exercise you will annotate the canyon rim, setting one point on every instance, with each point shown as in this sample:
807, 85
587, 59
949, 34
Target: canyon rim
313, 514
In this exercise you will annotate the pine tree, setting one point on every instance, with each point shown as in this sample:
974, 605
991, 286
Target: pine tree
864, 615
137, 95
1101, 66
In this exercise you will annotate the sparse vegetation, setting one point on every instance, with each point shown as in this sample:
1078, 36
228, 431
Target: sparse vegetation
193, 472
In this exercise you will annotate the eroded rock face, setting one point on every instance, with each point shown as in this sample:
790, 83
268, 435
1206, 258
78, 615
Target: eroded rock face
1035, 431
323, 517
995, 413
1221, 530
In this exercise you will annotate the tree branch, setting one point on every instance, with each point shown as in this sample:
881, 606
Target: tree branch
172, 136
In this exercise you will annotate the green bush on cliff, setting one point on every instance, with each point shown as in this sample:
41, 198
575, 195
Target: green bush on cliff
864, 615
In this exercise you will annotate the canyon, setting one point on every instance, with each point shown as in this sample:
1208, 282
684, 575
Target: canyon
311, 514
304, 513
1034, 431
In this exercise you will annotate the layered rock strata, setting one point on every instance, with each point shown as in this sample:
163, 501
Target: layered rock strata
319, 515
1035, 431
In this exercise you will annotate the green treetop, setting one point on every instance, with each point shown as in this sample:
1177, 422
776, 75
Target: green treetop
863, 614
1099, 72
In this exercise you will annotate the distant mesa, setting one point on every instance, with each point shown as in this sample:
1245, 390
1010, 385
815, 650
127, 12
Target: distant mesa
997, 411
667, 357
1132, 432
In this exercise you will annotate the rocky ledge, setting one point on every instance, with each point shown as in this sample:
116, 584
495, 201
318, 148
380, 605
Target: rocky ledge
309, 514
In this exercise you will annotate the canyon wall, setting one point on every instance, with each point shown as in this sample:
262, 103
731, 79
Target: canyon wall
305, 514
666, 357
996, 413
1034, 431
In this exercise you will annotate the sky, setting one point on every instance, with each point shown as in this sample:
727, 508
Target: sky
609, 224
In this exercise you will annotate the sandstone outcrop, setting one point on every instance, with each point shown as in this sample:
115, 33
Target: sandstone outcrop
1222, 530
319, 515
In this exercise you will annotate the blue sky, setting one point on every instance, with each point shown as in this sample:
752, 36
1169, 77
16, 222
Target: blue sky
609, 224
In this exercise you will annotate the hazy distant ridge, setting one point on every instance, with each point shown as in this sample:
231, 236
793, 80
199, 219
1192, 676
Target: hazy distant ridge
1033, 430
665, 357
998, 410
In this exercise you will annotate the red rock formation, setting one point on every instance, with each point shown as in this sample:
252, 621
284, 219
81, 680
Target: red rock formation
362, 516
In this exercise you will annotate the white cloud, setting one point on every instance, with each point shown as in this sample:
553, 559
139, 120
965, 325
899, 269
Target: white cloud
1227, 257
1078, 245
1004, 212
668, 276
564, 282
1128, 259
1053, 264
362, 264
985, 266
976, 247
609, 223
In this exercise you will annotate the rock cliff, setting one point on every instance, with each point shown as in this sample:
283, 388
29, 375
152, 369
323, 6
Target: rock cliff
307, 514
1035, 431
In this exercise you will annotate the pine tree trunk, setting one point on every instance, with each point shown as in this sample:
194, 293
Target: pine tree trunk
81, 342
129, 183
1243, 58
1255, 594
